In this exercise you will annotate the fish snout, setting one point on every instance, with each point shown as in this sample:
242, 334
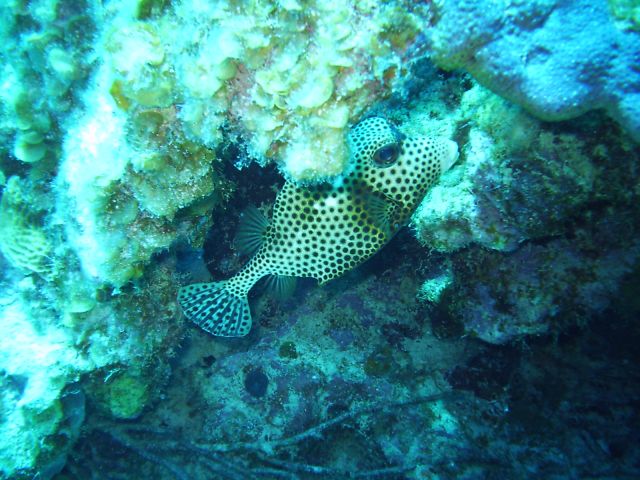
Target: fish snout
451, 155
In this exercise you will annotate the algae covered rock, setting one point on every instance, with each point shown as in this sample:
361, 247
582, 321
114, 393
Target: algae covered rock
123, 180
556, 58
518, 180
124, 395
533, 198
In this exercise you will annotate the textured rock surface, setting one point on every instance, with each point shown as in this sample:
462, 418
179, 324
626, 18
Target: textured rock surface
553, 208
348, 369
38, 366
556, 58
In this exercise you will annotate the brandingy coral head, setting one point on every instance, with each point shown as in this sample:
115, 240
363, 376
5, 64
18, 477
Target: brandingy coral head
402, 169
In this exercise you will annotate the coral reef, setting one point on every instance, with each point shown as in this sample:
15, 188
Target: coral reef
122, 124
289, 86
556, 58
58, 325
57, 330
23, 241
44, 64
122, 182
550, 197
163, 101
38, 365
541, 406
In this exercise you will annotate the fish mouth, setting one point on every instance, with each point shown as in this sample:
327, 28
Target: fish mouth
451, 156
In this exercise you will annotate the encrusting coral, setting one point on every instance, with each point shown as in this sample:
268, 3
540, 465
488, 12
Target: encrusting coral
288, 86
175, 87
23, 240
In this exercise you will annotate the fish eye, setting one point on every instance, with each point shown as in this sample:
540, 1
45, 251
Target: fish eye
387, 155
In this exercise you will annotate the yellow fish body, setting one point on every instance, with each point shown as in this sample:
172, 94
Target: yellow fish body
325, 230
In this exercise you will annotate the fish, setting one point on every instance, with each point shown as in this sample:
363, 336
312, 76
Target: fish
322, 231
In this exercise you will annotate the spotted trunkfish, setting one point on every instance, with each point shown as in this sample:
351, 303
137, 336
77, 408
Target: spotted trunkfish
324, 230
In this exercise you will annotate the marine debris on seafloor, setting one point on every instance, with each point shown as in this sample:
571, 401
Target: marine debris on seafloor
133, 135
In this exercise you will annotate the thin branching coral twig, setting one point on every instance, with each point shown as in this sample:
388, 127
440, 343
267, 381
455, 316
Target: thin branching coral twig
250, 460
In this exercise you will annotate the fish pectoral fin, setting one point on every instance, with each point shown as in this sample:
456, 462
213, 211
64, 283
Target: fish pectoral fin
216, 309
281, 286
380, 209
252, 228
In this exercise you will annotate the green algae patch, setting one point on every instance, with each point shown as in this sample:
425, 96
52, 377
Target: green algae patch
118, 96
126, 395
288, 350
627, 11
146, 9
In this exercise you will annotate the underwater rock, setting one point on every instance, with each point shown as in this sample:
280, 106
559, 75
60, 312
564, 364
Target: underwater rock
295, 372
122, 182
59, 329
539, 288
556, 58
40, 413
546, 195
124, 395
520, 178
323, 413
487, 373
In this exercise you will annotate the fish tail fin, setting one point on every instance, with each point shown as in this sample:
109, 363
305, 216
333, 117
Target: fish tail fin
216, 308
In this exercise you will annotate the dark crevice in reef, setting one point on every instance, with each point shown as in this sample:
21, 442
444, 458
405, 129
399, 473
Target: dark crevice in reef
255, 185
401, 249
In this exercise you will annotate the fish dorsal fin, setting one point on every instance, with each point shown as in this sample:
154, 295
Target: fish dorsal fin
281, 286
380, 210
251, 232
